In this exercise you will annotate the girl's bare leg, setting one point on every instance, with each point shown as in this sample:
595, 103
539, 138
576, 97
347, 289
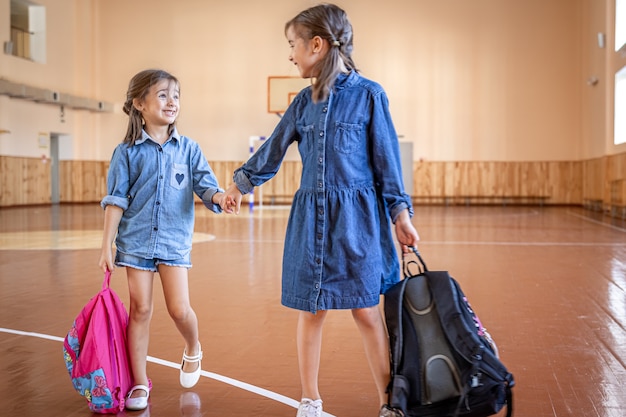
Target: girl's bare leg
309, 342
140, 285
176, 291
374, 334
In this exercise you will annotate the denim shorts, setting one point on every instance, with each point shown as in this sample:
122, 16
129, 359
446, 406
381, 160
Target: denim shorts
124, 259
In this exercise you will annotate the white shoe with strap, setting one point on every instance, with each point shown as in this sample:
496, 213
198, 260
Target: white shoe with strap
189, 379
310, 408
137, 403
387, 411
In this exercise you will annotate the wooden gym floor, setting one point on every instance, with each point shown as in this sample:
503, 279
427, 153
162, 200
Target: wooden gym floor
549, 283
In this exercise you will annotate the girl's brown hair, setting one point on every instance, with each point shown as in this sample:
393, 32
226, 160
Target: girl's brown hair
138, 88
331, 23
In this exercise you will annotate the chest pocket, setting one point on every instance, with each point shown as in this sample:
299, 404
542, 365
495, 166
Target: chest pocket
180, 176
347, 136
307, 140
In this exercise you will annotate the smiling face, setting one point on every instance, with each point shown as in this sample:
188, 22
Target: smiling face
160, 107
305, 54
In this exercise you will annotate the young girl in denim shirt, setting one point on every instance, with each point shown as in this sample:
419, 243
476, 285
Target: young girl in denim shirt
339, 251
152, 179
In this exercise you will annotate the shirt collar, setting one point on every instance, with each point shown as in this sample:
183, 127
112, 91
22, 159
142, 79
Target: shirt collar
144, 137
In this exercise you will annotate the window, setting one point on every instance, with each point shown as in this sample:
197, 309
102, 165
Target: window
28, 31
619, 135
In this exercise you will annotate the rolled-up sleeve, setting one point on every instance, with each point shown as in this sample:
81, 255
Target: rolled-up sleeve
243, 183
118, 180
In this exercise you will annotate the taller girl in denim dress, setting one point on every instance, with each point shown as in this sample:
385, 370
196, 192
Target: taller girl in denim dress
339, 250
149, 212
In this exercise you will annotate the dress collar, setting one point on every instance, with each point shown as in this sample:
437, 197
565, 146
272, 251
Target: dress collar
345, 80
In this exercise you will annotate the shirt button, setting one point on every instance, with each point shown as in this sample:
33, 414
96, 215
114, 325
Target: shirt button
318, 261
321, 160
320, 185
155, 229
160, 149
325, 109
321, 134
158, 203
317, 286
321, 211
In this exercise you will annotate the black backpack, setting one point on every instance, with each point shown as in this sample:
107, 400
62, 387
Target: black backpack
443, 361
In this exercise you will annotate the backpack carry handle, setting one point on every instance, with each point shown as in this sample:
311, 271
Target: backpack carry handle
406, 265
107, 280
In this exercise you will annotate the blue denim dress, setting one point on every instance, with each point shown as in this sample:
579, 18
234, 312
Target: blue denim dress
155, 184
339, 251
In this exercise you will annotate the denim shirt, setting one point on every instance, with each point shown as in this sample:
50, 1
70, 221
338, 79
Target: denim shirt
155, 184
339, 251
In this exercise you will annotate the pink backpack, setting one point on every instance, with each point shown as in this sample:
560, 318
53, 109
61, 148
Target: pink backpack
96, 353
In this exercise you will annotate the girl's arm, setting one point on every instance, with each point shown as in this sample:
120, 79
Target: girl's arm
205, 183
266, 161
388, 172
112, 217
386, 158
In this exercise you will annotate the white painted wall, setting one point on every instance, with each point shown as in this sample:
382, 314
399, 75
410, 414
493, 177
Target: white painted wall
481, 80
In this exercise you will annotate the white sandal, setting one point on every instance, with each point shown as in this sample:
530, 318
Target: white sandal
189, 379
137, 403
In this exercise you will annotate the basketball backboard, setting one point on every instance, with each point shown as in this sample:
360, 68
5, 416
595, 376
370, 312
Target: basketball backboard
281, 90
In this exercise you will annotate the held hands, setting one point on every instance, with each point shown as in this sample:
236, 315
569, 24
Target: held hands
405, 232
230, 201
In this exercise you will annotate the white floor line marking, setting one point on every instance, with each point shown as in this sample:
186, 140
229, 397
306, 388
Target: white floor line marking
32, 334
469, 242
230, 381
463, 242
610, 226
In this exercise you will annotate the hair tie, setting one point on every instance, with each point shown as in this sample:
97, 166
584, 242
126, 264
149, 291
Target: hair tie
336, 43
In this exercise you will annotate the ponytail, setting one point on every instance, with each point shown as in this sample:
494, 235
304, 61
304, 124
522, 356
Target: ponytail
135, 123
330, 23
138, 88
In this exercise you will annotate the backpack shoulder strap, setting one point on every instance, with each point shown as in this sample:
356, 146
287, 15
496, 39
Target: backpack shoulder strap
394, 300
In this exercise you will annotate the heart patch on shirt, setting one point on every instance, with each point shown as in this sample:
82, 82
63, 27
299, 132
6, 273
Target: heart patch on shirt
180, 178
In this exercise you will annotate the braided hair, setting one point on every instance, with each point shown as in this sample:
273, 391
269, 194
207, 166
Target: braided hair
138, 88
330, 23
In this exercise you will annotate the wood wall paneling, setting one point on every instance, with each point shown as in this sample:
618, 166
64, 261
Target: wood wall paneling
565, 182
26, 181
594, 172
